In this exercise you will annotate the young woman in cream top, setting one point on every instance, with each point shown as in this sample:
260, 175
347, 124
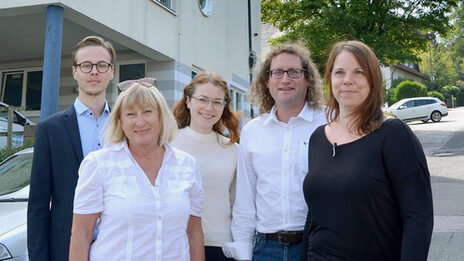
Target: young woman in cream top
202, 115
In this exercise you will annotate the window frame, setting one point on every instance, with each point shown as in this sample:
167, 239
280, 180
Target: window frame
169, 7
25, 71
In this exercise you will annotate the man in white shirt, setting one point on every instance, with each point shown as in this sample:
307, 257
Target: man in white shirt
270, 212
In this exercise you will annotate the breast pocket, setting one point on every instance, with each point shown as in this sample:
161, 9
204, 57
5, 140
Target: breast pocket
125, 187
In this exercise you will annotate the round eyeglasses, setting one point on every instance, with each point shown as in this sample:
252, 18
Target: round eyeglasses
203, 102
291, 73
147, 82
87, 67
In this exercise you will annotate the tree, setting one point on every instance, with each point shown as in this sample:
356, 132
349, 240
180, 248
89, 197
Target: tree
409, 89
436, 94
394, 29
450, 91
444, 70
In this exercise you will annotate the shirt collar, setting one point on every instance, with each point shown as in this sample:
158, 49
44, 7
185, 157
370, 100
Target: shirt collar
81, 108
307, 114
123, 146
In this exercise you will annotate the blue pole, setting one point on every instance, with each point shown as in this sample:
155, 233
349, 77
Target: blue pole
52, 61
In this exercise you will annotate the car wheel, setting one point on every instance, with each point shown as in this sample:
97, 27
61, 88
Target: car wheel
425, 121
435, 116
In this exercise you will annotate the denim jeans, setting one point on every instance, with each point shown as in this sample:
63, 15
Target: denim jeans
270, 250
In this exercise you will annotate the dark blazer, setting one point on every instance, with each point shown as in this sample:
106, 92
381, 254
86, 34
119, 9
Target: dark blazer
57, 156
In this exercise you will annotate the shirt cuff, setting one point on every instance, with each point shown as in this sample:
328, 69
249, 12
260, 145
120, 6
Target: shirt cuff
238, 250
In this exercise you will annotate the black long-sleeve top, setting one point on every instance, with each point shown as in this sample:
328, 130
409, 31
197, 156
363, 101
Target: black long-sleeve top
369, 199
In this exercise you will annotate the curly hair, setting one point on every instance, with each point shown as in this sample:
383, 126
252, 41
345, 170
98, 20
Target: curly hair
368, 115
259, 93
228, 118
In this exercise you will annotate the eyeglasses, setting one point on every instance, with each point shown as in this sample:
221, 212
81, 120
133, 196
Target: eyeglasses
147, 82
203, 102
292, 73
87, 67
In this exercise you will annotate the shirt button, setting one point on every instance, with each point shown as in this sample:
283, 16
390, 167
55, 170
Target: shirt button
159, 217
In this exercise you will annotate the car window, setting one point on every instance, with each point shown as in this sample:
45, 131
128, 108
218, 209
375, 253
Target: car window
16, 118
408, 104
419, 103
15, 173
426, 102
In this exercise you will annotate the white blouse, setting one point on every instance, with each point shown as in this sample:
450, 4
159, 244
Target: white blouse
139, 221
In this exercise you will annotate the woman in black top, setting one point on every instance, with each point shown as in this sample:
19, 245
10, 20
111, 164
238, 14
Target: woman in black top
368, 187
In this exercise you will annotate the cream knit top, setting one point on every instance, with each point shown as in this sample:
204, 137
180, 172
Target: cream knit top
218, 163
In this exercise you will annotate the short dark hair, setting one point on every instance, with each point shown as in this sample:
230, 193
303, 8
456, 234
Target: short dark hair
93, 40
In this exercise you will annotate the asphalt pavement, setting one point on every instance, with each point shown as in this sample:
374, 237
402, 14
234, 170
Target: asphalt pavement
443, 144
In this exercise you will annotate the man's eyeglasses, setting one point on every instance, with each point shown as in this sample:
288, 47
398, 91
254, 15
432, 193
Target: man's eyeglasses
203, 102
147, 82
87, 67
292, 73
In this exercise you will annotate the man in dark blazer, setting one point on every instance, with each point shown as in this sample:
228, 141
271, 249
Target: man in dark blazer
61, 142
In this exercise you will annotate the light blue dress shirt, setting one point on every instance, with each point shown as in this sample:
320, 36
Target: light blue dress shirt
91, 131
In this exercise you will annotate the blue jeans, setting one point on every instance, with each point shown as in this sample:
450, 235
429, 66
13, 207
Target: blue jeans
270, 250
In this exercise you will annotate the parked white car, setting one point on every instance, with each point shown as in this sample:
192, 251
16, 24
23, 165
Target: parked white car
19, 121
15, 174
420, 108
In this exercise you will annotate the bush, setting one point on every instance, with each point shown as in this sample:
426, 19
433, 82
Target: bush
410, 89
390, 96
436, 95
397, 81
461, 98
449, 90
5, 153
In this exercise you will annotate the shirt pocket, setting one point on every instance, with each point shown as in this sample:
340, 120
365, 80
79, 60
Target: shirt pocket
125, 187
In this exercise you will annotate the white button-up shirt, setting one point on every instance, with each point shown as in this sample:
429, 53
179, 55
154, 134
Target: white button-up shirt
139, 221
272, 164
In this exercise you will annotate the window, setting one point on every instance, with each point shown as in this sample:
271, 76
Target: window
166, 3
408, 104
206, 6
131, 71
237, 99
427, 102
22, 89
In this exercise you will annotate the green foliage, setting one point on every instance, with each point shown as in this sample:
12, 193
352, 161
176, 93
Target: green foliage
410, 89
449, 91
436, 94
390, 98
460, 99
446, 56
5, 153
395, 36
396, 82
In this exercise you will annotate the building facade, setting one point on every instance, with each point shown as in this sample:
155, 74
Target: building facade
170, 40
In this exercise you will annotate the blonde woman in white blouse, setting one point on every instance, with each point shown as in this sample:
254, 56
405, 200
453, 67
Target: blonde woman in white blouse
147, 194
202, 114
